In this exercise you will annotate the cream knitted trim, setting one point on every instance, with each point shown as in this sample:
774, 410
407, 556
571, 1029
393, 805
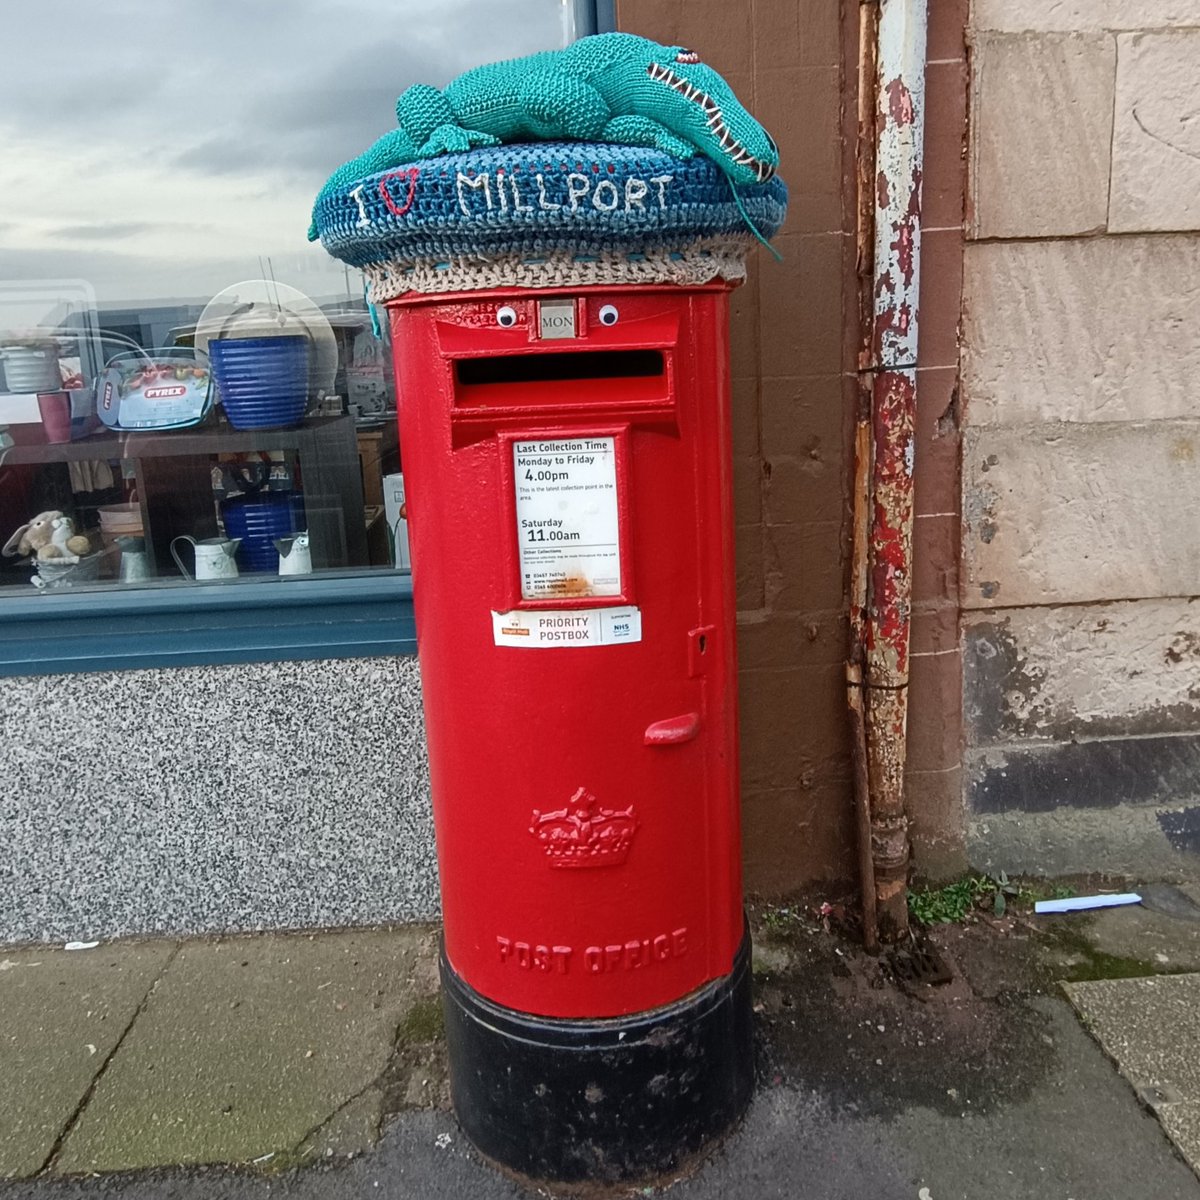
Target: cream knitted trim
697, 262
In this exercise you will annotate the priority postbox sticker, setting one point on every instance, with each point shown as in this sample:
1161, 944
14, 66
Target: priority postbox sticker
567, 526
542, 628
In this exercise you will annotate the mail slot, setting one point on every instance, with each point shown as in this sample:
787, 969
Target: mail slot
569, 509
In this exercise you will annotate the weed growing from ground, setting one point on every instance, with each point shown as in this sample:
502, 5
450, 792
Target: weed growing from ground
959, 900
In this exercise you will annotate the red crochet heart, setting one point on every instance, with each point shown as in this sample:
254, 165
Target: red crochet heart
409, 173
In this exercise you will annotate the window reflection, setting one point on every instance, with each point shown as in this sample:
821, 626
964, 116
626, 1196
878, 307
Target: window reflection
178, 156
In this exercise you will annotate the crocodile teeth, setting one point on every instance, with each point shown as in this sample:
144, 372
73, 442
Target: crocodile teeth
716, 122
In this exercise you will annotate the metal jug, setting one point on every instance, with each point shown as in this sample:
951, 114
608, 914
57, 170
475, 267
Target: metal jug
295, 555
214, 557
135, 559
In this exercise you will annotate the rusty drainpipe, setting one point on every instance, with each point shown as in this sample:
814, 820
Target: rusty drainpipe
868, 29
882, 558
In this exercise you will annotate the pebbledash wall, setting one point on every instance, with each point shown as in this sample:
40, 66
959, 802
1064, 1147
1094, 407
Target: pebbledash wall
286, 795
1081, 355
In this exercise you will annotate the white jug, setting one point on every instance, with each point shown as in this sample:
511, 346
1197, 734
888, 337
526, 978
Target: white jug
214, 557
295, 556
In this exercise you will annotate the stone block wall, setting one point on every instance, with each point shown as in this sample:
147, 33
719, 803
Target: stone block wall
1081, 451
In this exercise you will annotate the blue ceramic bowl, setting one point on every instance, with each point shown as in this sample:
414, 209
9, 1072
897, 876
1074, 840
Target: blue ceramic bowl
263, 381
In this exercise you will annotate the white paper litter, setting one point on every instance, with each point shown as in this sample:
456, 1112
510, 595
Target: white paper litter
1080, 903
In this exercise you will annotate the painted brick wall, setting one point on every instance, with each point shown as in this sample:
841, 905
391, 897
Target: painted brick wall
1081, 351
792, 352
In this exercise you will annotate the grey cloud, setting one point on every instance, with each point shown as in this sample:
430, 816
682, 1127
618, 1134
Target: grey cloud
223, 155
252, 85
132, 277
104, 230
270, 94
41, 263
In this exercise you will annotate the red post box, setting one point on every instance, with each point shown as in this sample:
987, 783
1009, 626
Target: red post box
567, 468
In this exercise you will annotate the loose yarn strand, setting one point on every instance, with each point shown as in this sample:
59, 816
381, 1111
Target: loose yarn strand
737, 199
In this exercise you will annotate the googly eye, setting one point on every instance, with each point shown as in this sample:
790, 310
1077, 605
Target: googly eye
506, 316
609, 315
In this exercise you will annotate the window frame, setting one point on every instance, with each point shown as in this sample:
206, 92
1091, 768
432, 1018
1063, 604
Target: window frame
273, 620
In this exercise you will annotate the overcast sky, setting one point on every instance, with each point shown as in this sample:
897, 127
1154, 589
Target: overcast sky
158, 148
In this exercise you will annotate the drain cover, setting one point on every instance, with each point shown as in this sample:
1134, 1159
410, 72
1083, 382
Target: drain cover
918, 965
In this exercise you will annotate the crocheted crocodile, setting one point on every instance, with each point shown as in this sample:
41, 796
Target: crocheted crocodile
613, 87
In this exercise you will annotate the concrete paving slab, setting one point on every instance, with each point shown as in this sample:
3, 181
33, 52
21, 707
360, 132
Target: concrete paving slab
63, 1014
1163, 931
1182, 1123
1151, 1030
862, 1092
249, 1046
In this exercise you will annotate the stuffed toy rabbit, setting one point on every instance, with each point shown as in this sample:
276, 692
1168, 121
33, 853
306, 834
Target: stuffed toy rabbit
37, 538
64, 546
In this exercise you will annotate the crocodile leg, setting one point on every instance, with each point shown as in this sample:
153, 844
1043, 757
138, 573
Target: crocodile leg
420, 110
428, 121
632, 130
554, 104
454, 139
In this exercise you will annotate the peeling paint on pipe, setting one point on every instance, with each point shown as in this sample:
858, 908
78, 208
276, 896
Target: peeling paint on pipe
868, 17
900, 127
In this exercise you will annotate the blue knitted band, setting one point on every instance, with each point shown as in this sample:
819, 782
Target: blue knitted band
513, 207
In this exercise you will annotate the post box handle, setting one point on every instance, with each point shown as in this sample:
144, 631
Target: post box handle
673, 730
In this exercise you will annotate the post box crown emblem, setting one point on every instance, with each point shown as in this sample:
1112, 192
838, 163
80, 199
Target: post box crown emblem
583, 834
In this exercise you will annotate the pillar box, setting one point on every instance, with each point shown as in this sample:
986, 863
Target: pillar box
564, 421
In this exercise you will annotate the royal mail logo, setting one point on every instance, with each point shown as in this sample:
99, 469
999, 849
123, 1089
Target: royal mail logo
584, 834
165, 393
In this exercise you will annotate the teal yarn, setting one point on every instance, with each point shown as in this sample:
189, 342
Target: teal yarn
578, 200
615, 88
758, 236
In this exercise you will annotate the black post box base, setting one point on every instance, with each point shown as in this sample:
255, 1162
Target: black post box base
601, 1100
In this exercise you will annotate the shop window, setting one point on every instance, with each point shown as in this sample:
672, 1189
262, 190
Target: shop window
188, 388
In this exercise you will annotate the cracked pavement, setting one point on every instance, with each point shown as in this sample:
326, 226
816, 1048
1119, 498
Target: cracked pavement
276, 1048
313, 1066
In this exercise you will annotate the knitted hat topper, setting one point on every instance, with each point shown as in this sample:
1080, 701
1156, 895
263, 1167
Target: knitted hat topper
632, 161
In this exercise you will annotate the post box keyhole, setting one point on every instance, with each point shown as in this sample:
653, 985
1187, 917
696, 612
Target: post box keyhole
697, 650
